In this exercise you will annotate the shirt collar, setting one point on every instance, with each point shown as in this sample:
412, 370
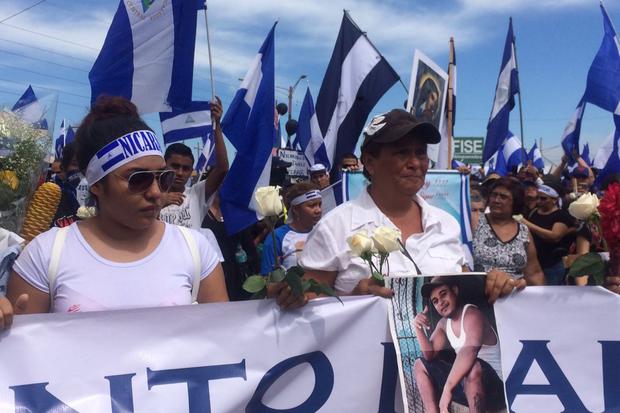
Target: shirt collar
368, 212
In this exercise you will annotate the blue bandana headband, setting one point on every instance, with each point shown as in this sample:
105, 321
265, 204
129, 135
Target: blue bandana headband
547, 190
121, 151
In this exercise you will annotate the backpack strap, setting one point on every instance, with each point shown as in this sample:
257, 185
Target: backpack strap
52, 269
193, 249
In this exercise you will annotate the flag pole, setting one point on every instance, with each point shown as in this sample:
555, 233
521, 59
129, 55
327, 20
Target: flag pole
450, 119
209, 49
514, 45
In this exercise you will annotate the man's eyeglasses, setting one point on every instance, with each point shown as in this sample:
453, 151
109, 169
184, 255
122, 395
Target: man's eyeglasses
140, 181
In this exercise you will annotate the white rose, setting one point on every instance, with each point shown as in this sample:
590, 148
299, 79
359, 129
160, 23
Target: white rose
268, 201
360, 243
584, 207
386, 240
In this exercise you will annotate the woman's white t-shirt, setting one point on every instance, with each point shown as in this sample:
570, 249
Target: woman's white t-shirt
88, 282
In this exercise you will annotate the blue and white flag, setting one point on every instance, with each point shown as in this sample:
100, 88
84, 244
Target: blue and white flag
570, 137
309, 134
191, 122
29, 109
604, 152
148, 55
514, 154
612, 165
536, 157
207, 156
249, 126
356, 78
603, 87
65, 137
496, 163
507, 87
585, 154
457, 164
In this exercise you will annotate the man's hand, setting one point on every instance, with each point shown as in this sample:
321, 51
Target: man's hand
369, 286
174, 198
285, 297
613, 284
499, 284
444, 402
7, 310
216, 110
421, 321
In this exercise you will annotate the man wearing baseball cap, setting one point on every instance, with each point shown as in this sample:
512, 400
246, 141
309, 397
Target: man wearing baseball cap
394, 154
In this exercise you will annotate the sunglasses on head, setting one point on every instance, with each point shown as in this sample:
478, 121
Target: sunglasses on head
140, 181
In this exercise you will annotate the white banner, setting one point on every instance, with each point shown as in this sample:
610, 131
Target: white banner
230, 357
561, 349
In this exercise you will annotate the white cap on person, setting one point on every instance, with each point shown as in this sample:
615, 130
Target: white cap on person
317, 167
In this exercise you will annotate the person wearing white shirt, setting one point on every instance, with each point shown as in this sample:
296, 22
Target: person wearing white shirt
394, 154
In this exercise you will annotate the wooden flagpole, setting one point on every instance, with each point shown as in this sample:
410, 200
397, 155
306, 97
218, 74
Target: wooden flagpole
450, 128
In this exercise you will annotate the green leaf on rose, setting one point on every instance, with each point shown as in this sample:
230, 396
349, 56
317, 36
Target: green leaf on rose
277, 275
294, 281
377, 276
590, 264
255, 283
322, 289
297, 270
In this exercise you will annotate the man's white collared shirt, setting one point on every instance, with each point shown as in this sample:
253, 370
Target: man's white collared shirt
436, 250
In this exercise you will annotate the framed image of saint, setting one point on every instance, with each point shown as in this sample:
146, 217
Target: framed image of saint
427, 90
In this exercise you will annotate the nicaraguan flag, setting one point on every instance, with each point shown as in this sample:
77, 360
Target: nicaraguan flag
536, 157
457, 164
507, 87
514, 154
585, 154
603, 87
29, 109
191, 122
603, 153
249, 126
66, 136
612, 165
570, 137
356, 78
496, 163
309, 133
443, 148
207, 157
148, 55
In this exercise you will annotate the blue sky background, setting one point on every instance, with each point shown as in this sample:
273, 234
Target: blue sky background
53, 45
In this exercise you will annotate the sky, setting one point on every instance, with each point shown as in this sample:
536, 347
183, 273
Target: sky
52, 45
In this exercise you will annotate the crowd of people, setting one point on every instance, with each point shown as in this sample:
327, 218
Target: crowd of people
158, 238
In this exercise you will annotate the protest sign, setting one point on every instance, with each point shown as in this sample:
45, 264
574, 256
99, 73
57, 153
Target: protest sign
298, 171
561, 349
229, 357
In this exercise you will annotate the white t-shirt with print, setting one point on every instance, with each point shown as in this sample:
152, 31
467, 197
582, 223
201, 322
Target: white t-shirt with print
191, 212
436, 250
88, 282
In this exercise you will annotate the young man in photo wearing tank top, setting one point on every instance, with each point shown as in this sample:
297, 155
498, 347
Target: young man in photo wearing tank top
474, 377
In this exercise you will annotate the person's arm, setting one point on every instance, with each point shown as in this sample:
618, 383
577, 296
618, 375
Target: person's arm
473, 324
533, 274
560, 168
216, 176
555, 234
583, 247
18, 289
583, 164
438, 341
170, 198
213, 287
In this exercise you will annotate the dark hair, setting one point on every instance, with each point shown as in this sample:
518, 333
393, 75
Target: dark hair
68, 153
373, 149
109, 118
179, 149
297, 189
349, 155
516, 190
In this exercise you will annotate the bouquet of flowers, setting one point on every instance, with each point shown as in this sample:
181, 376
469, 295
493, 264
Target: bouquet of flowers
269, 204
604, 215
375, 249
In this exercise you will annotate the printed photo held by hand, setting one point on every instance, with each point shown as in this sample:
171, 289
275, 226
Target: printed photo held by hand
447, 344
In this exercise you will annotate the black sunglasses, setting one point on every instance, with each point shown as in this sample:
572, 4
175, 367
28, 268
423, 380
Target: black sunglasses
140, 181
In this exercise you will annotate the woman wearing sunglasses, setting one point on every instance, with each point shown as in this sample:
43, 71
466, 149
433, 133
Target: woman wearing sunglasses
124, 257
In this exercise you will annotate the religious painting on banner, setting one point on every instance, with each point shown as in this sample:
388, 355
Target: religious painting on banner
447, 344
427, 90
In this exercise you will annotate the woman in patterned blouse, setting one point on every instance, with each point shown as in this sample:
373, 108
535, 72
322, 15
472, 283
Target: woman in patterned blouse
500, 242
